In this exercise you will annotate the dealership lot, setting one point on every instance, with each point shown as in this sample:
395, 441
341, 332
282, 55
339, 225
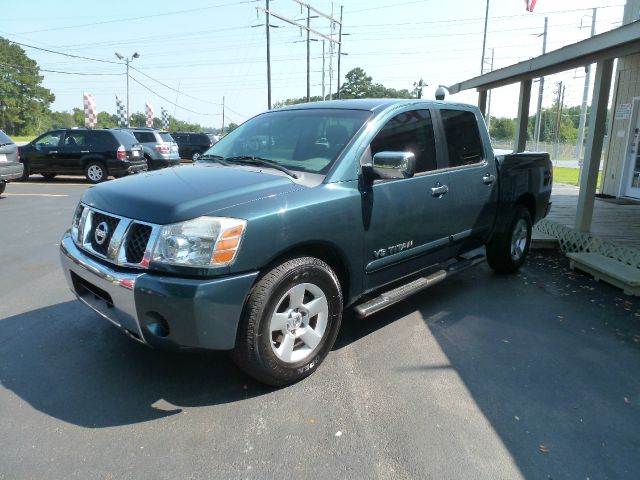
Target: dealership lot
483, 376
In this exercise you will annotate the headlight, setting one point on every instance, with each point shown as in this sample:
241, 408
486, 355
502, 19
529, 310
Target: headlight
201, 242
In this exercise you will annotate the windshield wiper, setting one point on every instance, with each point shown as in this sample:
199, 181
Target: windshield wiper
215, 158
265, 162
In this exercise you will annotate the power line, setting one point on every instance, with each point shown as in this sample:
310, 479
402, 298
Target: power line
171, 88
169, 101
65, 54
119, 20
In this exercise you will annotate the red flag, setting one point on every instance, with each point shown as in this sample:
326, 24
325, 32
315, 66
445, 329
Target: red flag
530, 5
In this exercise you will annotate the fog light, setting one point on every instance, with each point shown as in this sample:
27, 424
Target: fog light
157, 325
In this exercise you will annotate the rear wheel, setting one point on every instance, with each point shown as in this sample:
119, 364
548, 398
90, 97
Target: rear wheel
25, 172
3, 185
95, 172
149, 163
507, 251
48, 176
196, 156
291, 320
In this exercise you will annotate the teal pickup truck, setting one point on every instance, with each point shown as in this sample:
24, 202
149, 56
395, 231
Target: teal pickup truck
295, 216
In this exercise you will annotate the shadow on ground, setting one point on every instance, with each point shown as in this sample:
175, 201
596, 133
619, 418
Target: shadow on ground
92, 375
550, 356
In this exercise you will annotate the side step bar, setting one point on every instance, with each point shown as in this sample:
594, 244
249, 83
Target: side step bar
387, 299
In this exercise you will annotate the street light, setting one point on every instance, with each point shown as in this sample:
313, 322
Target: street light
440, 92
127, 60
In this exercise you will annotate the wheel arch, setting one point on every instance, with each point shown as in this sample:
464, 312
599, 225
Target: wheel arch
528, 201
329, 253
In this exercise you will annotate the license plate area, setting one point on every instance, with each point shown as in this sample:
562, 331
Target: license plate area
90, 293
3, 158
136, 153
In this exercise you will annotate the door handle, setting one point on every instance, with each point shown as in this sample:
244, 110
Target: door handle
52, 152
488, 178
439, 190
84, 151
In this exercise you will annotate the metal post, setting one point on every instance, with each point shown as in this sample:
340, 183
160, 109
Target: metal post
222, 130
339, 52
308, 56
128, 116
556, 140
484, 40
593, 148
523, 115
585, 95
541, 89
268, 57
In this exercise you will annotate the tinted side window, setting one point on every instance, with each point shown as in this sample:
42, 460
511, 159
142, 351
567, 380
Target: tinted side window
463, 137
102, 141
4, 138
145, 137
200, 140
409, 132
51, 139
75, 139
124, 137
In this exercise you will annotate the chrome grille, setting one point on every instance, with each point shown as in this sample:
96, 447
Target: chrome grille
127, 242
111, 225
136, 242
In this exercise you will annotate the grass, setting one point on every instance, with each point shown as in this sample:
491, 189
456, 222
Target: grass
26, 138
569, 176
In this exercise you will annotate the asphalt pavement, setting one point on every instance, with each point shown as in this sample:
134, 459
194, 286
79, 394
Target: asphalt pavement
483, 376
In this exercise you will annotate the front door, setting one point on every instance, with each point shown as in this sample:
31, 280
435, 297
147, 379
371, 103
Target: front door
406, 223
45, 151
632, 178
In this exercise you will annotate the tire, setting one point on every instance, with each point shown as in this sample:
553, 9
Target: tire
149, 163
48, 176
195, 156
95, 172
3, 185
507, 251
281, 298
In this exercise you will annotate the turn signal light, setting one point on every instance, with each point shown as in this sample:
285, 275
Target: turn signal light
227, 245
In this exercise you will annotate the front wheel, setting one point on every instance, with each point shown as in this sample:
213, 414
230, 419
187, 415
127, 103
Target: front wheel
291, 320
3, 185
95, 172
507, 251
195, 157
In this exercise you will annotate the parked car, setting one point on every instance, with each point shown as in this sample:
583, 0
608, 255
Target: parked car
193, 145
259, 248
96, 153
10, 166
160, 149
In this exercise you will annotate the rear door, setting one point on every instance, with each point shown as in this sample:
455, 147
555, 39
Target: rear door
406, 223
73, 147
473, 183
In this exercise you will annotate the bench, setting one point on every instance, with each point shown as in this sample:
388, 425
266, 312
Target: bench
607, 269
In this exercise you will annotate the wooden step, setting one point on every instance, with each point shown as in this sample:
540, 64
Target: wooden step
608, 270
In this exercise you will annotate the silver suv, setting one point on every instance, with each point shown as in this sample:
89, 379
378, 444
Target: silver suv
160, 149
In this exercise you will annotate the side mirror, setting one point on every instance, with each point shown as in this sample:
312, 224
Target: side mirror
394, 164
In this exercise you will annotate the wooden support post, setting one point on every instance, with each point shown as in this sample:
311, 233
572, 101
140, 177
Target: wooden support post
593, 148
523, 115
482, 101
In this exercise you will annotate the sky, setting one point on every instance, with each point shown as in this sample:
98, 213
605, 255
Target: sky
194, 53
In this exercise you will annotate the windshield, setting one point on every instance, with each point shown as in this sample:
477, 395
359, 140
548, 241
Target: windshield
306, 140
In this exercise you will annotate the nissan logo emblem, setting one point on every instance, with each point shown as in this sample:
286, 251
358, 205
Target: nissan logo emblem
102, 230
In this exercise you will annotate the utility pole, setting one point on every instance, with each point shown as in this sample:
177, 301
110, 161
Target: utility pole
489, 94
484, 41
339, 51
560, 101
323, 70
585, 95
268, 55
222, 130
127, 60
308, 55
541, 88
307, 27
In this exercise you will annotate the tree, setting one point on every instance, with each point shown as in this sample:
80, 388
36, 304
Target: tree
360, 85
503, 128
24, 102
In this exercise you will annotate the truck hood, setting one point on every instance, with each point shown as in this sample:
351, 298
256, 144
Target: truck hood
182, 193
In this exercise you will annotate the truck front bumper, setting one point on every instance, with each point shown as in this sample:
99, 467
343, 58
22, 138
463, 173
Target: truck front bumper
159, 311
